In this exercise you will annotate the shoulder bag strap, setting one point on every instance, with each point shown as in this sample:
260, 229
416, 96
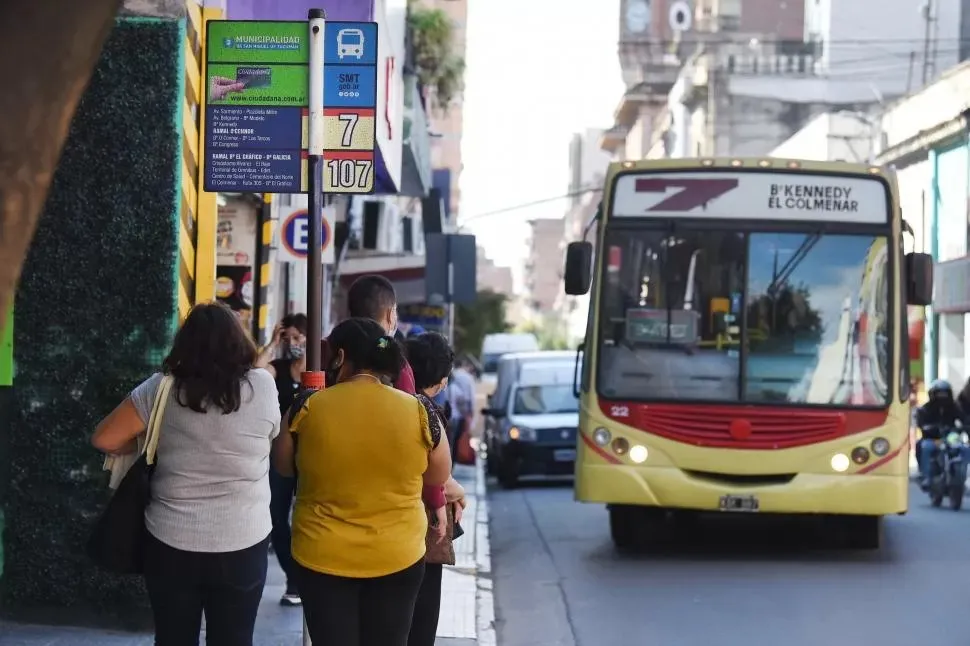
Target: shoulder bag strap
155, 419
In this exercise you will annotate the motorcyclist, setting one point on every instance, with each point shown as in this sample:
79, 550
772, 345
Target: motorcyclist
937, 416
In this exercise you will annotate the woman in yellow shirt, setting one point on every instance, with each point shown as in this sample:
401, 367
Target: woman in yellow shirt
363, 451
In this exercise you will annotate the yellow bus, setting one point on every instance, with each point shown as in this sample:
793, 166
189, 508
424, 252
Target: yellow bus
746, 349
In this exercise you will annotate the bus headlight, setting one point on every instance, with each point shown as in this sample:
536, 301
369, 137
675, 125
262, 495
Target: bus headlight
621, 445
638, 453
860, 455
601, 436
880, 446
840, 462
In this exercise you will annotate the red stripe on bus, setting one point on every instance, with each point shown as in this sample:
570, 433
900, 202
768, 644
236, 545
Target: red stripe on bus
603, 454
883, 460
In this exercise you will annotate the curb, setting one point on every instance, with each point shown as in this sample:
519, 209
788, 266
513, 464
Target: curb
484, 599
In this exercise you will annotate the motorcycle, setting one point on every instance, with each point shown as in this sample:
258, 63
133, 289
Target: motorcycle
948, 473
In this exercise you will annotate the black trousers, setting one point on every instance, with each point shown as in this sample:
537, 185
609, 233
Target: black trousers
341, 611
424, 625
226, 586
282, 490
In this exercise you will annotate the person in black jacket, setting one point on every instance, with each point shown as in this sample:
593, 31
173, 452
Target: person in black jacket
289, 342
937, 416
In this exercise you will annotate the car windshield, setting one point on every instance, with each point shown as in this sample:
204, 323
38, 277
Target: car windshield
799, 318
490, 362
539, 400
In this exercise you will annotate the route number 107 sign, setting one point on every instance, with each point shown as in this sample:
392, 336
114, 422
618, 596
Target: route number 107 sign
349, 135
349, 107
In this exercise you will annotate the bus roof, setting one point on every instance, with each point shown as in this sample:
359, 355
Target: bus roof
764, 189
764, 163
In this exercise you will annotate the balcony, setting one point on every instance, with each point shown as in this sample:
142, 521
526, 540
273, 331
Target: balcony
785, 58
416, 157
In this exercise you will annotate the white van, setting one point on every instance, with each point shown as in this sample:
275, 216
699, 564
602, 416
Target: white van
531, 418
495, 345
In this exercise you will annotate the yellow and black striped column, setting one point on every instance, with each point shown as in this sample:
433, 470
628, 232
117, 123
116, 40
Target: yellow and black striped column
262, 326
198, 212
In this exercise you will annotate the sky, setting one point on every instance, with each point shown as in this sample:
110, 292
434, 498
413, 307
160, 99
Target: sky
537, 71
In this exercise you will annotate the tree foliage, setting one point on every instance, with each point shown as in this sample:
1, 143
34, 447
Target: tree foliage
487, 315
433, 39
549, 334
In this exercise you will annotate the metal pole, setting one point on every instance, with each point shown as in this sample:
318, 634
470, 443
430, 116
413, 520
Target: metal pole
314, 283
327, 298
313, 378
927, 18
328, 282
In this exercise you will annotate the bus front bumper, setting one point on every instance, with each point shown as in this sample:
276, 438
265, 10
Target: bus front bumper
807, 493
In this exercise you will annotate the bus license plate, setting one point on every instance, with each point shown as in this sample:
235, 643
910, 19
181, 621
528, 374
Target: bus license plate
739, 503
564, 455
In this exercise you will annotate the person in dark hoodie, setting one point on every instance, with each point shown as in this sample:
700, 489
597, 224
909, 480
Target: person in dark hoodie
937, 416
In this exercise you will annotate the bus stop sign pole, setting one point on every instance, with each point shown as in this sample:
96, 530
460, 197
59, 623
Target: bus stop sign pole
313, 378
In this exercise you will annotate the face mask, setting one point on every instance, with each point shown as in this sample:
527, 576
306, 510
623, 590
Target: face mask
295, 351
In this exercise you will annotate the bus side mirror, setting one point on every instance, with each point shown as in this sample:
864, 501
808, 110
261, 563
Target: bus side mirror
919, 279
578, 272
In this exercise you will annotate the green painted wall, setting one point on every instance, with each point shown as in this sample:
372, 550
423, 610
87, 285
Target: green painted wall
95, 312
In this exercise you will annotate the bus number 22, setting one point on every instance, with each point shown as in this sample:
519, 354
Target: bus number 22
619, 411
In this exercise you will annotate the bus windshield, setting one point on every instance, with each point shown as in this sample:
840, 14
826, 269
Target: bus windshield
730, 316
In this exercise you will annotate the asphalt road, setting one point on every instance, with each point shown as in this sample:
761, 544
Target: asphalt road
733, 581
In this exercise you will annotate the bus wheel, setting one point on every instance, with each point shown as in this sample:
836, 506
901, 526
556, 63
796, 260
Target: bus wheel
623, 527
863, 532
632, 526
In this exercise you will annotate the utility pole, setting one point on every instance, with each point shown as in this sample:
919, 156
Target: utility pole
927, 10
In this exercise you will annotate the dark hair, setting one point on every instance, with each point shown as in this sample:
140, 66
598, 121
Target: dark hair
367, 347
370, 296
430, 357
297, 321
210, 358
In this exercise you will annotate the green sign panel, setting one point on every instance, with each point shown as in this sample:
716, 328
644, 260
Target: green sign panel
257, 92
6, 351
237, 41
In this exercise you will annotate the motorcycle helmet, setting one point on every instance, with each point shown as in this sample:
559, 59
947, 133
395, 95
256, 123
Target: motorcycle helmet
940, 389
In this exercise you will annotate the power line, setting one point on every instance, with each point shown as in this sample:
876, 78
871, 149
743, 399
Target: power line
525, 205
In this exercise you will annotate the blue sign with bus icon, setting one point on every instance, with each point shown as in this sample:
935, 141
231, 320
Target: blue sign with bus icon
350, 43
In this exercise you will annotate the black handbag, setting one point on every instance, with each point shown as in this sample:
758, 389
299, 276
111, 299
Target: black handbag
117, 542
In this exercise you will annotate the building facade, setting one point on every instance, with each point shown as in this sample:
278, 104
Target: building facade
544, 267
928, 143
739, 78
832, 136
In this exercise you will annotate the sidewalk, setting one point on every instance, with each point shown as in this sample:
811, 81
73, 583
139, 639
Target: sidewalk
467, 611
